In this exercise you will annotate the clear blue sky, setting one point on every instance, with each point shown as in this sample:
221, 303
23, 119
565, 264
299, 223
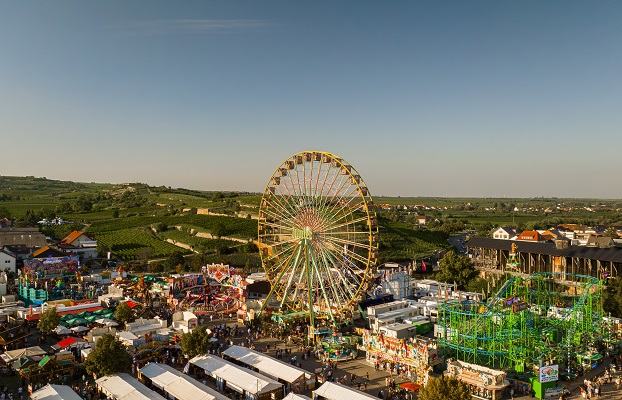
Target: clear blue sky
452, 98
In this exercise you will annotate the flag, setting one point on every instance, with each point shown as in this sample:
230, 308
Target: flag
423, 268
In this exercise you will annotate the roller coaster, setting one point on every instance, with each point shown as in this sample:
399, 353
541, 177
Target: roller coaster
546, 317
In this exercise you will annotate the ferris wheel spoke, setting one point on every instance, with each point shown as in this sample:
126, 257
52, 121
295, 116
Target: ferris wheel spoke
349, 207
285, 209
328, 275
292, 273
320, 279
342, 242
284, 202
344, 285
282, 258
353, 254
344, 224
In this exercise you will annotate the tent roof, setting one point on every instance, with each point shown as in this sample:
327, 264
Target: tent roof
179, 385
239, 377
334, 391
293, 396
265, 364
29, 351
55, 392
66, 342
125, 387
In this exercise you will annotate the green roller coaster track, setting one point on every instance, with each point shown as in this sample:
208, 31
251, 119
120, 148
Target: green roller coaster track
543, 317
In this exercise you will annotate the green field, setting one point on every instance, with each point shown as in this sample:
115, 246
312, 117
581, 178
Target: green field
121, 216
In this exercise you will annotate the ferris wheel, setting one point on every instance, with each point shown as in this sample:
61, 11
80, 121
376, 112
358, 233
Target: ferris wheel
317, 235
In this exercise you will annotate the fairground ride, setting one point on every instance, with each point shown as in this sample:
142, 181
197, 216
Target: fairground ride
543, 318
318, 236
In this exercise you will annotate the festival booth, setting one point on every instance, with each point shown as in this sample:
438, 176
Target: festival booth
124, 386
293, 396
178, 386
334, 391
58, 368
226, 375
413, 358
295, 379
484, 383
55, 392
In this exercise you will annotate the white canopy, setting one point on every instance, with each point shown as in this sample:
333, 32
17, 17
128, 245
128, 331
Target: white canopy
12, 355
266, 364
61, 330
335, 391
178, 385
80, 328
124, 387
293, 396
237, 378
55, 392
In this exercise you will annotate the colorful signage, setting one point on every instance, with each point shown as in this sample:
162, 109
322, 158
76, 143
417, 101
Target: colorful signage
40, 267
550, 373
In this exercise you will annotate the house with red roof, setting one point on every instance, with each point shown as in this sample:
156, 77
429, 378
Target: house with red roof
530, 236
81, 243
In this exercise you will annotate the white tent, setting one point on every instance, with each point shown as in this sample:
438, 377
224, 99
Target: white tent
55, 392
178, 385
267, 365
293, 396
61, 330
124, 387
237, 378
78, 329
335, 391
13, 355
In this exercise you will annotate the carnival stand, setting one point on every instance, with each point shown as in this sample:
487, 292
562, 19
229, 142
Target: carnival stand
413, 358
484, 383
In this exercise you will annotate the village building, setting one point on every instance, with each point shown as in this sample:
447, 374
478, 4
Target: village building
29, 237
505, 233
491, 256
83, 244
8, 261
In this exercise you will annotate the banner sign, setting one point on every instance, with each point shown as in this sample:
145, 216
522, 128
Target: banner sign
51, 266
550, 373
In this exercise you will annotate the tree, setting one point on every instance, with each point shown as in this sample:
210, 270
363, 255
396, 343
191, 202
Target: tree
195, 342
174, 259
457, 269
611, 232
123, 312
477, 285
219, 230
612, 297
108, 358
444, 388
156, 267
49, 320
144, 254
